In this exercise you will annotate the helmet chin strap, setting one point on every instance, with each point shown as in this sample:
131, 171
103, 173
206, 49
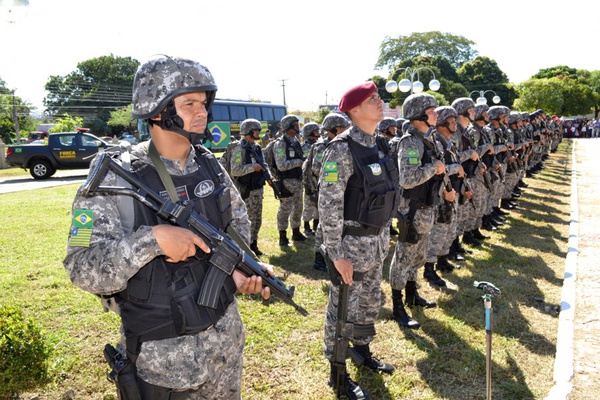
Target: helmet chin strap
170, 121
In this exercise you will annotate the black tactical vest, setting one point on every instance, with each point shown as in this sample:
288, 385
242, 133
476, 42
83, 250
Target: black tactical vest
160, 300
293, 151
425, 194
256, 179
371, 195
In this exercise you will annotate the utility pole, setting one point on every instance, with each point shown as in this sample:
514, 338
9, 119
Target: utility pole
283, 86
16, 118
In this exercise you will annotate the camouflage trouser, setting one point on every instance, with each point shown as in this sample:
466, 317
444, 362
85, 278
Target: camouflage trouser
364, 299
479, 199
409, 257
509, 184
494, 195
254, 204
310, 208
221, 347
463, 215
290, 208
441, 237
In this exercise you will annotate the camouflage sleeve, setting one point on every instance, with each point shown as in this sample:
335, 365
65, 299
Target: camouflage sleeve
283, 164
337, 169
103, 262
239, 213
238, 168
409, 163
452, 169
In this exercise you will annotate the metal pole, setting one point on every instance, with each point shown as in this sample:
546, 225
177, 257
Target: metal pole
15, 118
283, 86
489, 291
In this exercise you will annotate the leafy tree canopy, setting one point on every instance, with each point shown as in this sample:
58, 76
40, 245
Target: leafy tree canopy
483, 75
456, 49
67, 124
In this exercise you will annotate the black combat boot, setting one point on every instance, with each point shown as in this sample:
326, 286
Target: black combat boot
431, 276
315, 225
507, 204
500, 213
478, 235
444, 265
320, 264
351, 389
399, 312
371, 362
307, 229
283, 240
255, 249
469, 239
496, 220
413, 298
393, 231
455, 253
485, 224
297, 236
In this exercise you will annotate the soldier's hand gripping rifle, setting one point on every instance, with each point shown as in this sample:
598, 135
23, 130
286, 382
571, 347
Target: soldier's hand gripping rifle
225, 256
266, 174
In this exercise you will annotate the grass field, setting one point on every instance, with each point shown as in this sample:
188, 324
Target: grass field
445, 359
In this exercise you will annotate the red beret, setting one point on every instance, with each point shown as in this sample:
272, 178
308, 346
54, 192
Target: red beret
356, 95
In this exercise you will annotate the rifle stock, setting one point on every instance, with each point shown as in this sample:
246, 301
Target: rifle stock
226, 255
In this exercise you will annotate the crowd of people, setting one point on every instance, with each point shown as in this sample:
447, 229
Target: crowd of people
435, 178
581, 128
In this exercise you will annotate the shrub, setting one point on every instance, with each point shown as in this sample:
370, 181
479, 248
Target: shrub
23, 353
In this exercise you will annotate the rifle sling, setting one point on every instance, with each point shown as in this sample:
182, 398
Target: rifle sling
215, 278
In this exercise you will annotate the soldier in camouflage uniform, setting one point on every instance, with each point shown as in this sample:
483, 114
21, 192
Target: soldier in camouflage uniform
119, 249
251, 173
387, 128
355, 236
333, 125
289, 159
310, 133
420, 183
444, 229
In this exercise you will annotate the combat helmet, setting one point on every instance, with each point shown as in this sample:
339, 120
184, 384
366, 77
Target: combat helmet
479, 110
513, 117
495, 112
158, 81
287, 122
385, 124
445, 112
333, 120
309, 128
462, 105
249, 125
415, 105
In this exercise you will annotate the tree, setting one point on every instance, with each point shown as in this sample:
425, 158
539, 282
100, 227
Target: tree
95, 88
9, 106
67, 124
483, 74
456, 49
121, 118
595, 85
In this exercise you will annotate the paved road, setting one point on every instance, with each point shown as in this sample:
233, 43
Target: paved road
15, 184
577, 365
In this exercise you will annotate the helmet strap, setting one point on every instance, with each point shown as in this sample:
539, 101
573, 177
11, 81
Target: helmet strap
170, 121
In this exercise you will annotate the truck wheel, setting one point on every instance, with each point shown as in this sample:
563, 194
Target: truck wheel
41, 169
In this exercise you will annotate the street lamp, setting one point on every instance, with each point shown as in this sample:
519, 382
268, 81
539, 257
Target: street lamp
412, 85
482, 100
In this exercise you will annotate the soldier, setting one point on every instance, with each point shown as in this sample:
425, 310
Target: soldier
357, 172
387, 128
250, 172
288, 160
149, 268
470, 118
310, 132
333, 125
444, 229
420, 183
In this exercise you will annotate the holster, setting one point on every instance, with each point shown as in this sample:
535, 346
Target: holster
407, 233
122, 374
444, 213
281, 190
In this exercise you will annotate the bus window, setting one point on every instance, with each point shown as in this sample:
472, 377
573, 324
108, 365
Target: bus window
267, 114
220, 112
238, 113
253, 112
279, 113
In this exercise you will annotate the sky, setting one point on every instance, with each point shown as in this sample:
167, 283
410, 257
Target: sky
316, 48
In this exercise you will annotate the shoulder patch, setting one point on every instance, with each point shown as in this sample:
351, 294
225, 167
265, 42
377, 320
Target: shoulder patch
81, 230
330, 171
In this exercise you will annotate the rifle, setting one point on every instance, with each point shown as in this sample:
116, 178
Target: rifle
266, 173
225, 256
344, 330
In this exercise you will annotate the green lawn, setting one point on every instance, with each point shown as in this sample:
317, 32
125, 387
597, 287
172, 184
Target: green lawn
445, 359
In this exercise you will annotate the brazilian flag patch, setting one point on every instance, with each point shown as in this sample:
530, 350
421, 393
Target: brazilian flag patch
413, 157
81, 232
330, 171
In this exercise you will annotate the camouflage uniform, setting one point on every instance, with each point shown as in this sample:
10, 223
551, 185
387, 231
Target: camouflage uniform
290, 208
366, 253
480, 191
408, 257
443, 234
208, 363
254, 201
310, 211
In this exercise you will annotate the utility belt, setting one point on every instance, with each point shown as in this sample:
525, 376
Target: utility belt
361, 231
